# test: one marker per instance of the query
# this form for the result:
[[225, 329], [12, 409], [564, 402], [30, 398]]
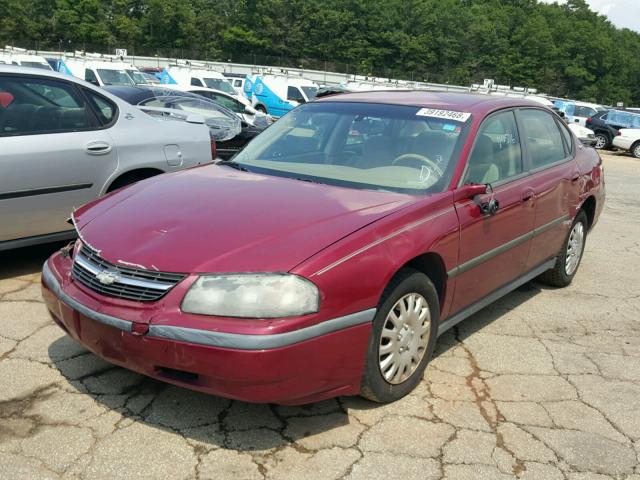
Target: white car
[[25, 60], [628, 139], [585, 135], [65, 142]]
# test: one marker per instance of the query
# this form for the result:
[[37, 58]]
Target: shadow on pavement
[[229, 423], [27, 260]]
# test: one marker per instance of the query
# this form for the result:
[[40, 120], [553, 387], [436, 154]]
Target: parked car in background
[[239, 105], [628, 139], [64, 142], [578, 112], [226, 127], [585, 135], [606, 124], [328, 257]]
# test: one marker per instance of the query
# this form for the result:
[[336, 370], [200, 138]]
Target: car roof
[[476, 103]]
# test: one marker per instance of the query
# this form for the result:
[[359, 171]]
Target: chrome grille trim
[[127, 283]]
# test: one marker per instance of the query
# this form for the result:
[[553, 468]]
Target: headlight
[[269, 295]]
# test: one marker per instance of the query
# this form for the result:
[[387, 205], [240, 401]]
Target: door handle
[[97, 148], [528, 195]]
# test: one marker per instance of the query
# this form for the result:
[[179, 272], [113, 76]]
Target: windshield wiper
[[232, 164]]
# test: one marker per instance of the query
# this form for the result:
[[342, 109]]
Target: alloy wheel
[[601, 141], [636, 151], [574, 248], [404, 338]]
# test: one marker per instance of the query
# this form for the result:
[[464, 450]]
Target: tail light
[[214, 149], [589, 120], [618, 133]]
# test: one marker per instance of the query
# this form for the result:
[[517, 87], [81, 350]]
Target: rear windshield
[[360, 145]]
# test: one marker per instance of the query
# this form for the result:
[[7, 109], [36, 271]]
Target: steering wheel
[[414, 156]]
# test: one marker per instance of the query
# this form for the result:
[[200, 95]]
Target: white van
[[188, 75], [277, 94], [100, 72], [25, 60]]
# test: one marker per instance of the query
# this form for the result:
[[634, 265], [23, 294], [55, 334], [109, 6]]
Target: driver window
[[496, 154]]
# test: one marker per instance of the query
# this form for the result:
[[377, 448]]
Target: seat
[[482, 168]]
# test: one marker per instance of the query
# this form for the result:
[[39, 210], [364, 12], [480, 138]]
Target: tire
[[565, 269], [402, 339], [635, 150], [602, 141]]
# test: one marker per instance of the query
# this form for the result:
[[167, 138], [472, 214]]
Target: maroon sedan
[[328, 256]]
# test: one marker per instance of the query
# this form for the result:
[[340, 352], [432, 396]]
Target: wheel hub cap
[[404, 339], [574, 248]]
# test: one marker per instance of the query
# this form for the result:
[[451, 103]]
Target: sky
[[622, 13]]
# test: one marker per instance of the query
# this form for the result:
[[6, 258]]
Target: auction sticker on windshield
[[446, 114]]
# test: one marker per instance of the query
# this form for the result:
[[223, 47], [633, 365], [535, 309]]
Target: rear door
[[494, 248], [555, 179], [54, 155]]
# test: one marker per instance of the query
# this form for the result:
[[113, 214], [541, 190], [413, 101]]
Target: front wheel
[[635, 149], [403, 337], [569, 259]]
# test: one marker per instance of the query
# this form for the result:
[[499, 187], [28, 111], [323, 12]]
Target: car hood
[[218, 219]]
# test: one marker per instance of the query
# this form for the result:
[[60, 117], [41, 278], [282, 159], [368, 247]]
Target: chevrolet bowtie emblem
[[106, 278]]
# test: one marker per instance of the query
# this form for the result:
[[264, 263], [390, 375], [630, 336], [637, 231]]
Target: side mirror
[[468, 191]]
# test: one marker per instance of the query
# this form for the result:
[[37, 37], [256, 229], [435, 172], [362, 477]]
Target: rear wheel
[[569, 259], [635, 149], [403, 337], [602, 141], [131, 177]]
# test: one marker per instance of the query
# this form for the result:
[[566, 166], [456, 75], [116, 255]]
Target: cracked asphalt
[[543, 384]]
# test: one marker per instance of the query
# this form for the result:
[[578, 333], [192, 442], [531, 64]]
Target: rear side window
[[105, 110], [543, 138], [496, 154], [41, 105], [567, 136], [196, 82]]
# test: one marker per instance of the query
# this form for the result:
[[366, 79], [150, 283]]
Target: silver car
[[64, 142]]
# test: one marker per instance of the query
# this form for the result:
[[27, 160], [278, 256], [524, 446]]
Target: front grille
[[113, 280]]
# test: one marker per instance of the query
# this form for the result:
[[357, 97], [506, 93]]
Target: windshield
[[219, 84], [43, 66], [310, 92], [115, 77], [137, 77], [360, 145]]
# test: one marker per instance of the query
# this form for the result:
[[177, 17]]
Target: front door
[[53, 155], [494, 247]]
